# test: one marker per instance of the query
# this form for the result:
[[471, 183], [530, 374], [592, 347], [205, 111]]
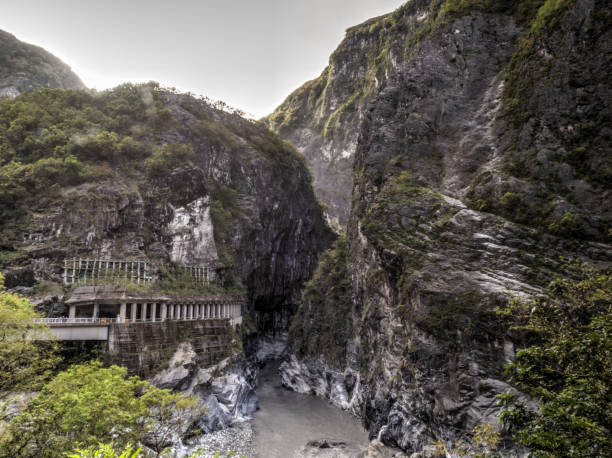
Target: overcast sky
[[248, 53]]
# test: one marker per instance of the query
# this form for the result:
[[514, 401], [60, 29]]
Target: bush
[[88, 404], [167, 158], [568, 368]]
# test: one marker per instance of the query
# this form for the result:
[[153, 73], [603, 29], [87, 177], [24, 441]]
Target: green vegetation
[[168, 157], [81, 406], [116, 143], [570, 225], [385, 228], [105, 451], [224, 211], [24, 364], [483, 443], [470, 315], [88, 404], [568, 367], [323, 324], [520, 77]]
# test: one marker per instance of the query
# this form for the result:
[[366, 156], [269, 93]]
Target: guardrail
[[74, 320], [51, 321]]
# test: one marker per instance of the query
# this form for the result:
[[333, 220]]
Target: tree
[[568, 368], [105, 451], [88, 404], [24, 363]]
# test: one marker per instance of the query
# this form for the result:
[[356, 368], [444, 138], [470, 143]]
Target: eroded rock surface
[[466, 194]]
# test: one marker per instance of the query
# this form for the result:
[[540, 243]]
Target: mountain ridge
[[26, 67]]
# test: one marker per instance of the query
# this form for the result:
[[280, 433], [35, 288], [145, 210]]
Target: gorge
[[461, 169]]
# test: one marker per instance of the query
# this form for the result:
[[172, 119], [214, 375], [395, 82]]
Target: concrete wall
[[80, 332], [145, 347]]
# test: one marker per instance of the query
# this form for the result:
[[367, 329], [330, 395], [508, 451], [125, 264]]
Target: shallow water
[[286, 421]]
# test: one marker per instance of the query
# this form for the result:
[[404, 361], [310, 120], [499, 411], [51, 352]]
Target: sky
[[249, 53]]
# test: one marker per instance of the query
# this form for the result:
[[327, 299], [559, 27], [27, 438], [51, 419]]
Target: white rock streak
[[192, 234]]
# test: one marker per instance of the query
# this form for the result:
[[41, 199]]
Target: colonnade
[[162, 311]]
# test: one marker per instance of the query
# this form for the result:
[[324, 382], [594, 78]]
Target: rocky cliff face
[[24, 67], [482, 159], [322, 117], [144, 173]]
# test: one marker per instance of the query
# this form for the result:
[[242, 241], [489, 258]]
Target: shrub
[[168, 157]]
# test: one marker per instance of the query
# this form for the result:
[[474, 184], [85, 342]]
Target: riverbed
[[287, 421], [287, 425]]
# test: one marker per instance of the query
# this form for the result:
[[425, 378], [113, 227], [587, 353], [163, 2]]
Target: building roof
[[117, 294]]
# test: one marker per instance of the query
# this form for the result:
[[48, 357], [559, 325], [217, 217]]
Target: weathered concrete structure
[[145, 347], [143, 329], [119, 304]]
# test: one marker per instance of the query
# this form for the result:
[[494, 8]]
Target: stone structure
[[119, 304], [144, 348], [141, 330]]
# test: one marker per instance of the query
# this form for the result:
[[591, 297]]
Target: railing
[[51, 321], [74, 320]]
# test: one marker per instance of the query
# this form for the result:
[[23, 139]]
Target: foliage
[[570, 225], [24, 363], [483, 444], [168, 157], [323, 323], [568, 368], [88, 404], [105, 451]]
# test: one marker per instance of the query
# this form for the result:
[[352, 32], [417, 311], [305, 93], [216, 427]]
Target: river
[[283, 426], [286, 421]]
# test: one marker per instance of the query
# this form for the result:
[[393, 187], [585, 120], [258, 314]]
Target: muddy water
[[286, 421]]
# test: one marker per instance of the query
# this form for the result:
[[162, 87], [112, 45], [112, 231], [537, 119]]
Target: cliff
[[482, 159], [144, 173], [24, 67]]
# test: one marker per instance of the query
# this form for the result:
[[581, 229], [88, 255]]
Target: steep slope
[[483, 156], [322, 117], [144, 173], [24, 67]]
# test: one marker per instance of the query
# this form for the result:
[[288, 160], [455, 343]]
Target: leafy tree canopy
[[24, 363], [568, 368], [88, 404]]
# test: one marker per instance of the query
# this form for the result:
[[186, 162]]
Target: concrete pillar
[[96, 310], [179, 311], [134, 305], [190, 312], [143, 313], [122, 309], [153, 311], [72, 311], [164, 311]]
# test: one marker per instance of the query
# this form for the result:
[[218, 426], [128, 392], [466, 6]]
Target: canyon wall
[[482, 161]]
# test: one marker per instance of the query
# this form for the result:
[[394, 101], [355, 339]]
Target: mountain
[[24, 67], [144, 173], [476, 135]]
